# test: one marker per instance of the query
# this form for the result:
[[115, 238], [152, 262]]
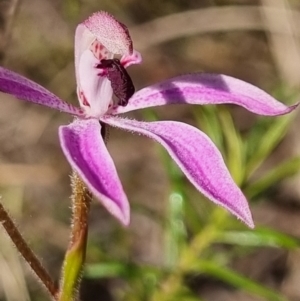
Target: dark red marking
[[121, 82], [84, 100]]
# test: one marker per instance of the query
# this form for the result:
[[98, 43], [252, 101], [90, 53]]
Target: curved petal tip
[[291, 108]]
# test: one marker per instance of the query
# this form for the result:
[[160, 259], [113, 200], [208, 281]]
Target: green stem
[[75, 254]]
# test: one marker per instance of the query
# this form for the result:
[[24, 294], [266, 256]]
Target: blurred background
[[178, 246]]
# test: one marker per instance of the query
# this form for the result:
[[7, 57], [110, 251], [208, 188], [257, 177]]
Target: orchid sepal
[[203, 89], [87, 154], [197, 157], [25, 89]]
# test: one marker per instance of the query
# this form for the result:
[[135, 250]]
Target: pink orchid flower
[[98, 41]]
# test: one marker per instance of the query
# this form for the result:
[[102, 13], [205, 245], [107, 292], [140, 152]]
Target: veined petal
[[87, 154], [197, 157], [201, 89], [25, 89]]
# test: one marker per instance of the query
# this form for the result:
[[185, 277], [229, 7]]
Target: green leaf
[[237, 280], [278, 173], [72, 269], [106, 270], [197, 211], [264, 138], [207, 119], [127, 270], [260, 237], [234, 146]]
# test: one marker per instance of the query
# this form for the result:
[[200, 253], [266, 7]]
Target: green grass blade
[[106, 270], [264, 143], [237, 280], [278, 173], [207, 119], [260, 237], [234, 146]]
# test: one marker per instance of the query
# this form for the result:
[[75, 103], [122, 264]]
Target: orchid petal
[[112, 34], [94, 91], [202, 88], [197, 157], [25, 89], [86, 152], [83, 40]]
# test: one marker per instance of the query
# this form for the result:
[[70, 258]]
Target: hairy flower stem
[[26, 252], [75, 254]]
